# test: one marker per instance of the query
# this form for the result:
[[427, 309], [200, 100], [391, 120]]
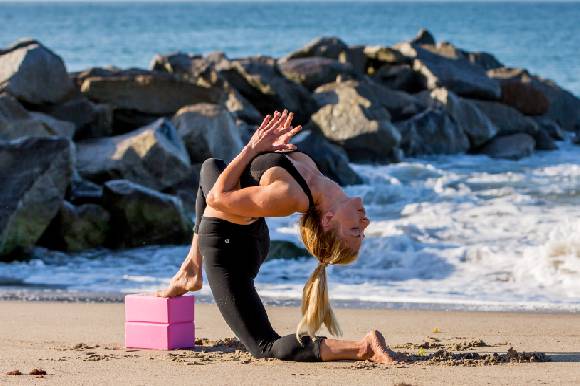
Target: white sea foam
[[458, 230]]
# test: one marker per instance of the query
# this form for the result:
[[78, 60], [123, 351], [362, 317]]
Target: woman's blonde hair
[[328, 248]]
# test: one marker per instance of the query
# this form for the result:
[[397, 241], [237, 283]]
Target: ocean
[[447, 232]]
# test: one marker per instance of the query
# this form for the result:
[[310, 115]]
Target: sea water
[[461, 231]]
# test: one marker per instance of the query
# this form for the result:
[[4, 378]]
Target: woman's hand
[[274, 134]]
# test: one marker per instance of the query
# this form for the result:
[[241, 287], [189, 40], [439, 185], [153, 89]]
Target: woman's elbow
[[213, 199]]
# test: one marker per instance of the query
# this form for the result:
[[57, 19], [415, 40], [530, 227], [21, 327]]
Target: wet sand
[[78, 343]]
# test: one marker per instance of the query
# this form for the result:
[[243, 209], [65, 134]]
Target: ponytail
[[327, 247], [316, 308]]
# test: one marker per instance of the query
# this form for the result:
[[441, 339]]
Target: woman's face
[[350, 220]]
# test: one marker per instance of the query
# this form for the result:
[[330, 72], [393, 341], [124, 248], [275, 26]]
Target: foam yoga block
[[159, 323]]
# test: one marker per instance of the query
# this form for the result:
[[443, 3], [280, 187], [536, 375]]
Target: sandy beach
[[82, 343]]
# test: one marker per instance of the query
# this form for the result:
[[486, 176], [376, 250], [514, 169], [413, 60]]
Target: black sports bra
[[265, 161]]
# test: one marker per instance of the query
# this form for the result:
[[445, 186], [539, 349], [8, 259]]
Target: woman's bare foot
[[182, 282], [375, 349]]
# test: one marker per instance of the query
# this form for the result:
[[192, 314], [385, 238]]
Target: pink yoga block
[[155, 309], [161, 336]]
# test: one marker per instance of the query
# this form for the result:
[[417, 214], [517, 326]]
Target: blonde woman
[[269, 178]]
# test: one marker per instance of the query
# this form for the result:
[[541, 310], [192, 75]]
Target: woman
[[269, 178]]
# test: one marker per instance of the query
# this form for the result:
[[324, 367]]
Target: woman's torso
[[303, 164]]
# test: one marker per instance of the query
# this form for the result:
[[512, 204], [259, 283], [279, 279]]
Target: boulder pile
[[109, 157]]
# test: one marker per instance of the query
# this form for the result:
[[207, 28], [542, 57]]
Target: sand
[[82, 344]]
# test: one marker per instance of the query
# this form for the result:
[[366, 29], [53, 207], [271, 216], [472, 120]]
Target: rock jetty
[[109, 157]]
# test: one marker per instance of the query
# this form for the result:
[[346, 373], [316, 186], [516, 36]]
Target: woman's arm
[[272, 135]]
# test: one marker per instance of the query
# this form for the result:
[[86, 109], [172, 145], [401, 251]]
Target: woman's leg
[[372, 347], [189, 277]]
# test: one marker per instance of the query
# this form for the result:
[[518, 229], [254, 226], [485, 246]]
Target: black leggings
[[232, 256]]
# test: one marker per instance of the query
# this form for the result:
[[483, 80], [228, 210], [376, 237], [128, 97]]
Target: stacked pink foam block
[[159, 323]]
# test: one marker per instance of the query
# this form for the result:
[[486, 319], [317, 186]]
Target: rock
[[457, 75], [447, 50], [543, 140], [82, 191], [564, 107], [90, 119], [551, 127], [352, 116], [16, 122], [186, 190], [55, 126], [399, 104], [398, 77], [180, 63], [282, 249], [208, 131], [34, 74], [241, 108], [514, 146], [432, 131], [77, 228], [315, 71], [484, 60], [355, 56], [327, 46], [383, 55], [196, 66], [142, 216], [506, 118], [149, 92], [154, 156], [474, 123], [423, 37], [524, 97], [331, 160], [34, 175], [260, 81]]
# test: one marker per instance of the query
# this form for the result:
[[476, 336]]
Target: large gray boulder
[[514, 146], [326, 46], [16, 122], [142, 216], [432, 131], [34, 74], [472, 121], [506, 118], [331, 160], [34, 175], [154, 156], [208, 130], [352, 116], [315, 71], [456, 74], [75, 228], [260, 81], [149, 92], [564, 107]]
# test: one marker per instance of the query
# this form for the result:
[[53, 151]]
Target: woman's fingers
[[286, 137]]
